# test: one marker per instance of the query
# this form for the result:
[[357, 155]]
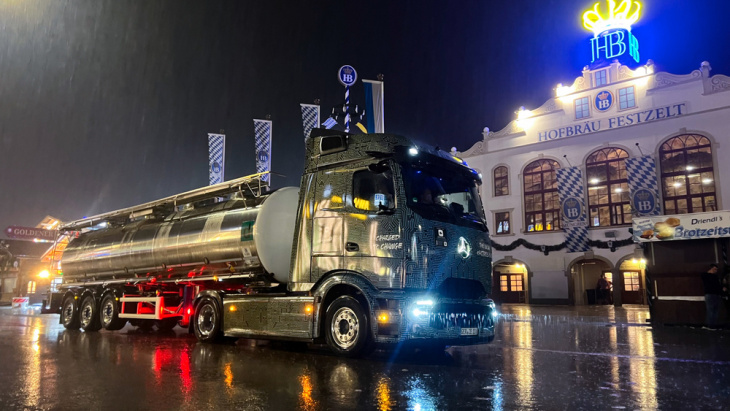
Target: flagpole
[[347, 76]]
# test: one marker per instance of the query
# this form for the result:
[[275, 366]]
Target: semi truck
[[384, 242]]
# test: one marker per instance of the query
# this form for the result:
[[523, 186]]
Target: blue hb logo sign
[[614, 43], [216, 167], [263, 156], [604, 100], [572, 209], [347, 75], [644, 201]]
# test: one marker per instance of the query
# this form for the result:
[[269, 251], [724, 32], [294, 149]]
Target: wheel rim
[[68, 312], [107, 312], [206, 320], [345, 328], [86, 315]]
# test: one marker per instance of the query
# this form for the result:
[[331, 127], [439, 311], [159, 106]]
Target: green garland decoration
[[546, 249]]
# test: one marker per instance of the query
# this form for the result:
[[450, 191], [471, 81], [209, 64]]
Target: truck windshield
[[444, 195]]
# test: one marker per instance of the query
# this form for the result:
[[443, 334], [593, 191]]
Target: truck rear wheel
[[109, 310], [89, 314], [346, 327], [69, 314], [207, 321]]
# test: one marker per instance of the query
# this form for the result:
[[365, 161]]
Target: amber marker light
[[383, 317], [232, 308], [308, 309]]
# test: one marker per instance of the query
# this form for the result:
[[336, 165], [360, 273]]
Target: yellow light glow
[[617, 17], [634, 261], [44, 274], [232, 308], [383, 317], [308, 309], [523, 113], [562, 90]]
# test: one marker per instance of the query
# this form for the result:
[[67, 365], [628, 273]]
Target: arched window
[[688, 178], [542, 206], [608, 188], [501, 181]]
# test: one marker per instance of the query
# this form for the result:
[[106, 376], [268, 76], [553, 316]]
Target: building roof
[[26, 249]]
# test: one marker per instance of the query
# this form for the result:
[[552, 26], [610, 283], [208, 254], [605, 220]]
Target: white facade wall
[[705, 109]]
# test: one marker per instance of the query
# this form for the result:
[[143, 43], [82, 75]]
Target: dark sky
[[107, 103]]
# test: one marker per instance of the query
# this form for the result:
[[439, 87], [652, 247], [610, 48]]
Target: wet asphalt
[[544, 358]]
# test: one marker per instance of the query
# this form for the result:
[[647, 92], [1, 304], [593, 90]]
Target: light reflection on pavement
[[543, 358]]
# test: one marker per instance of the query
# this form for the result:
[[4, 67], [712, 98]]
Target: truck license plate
[[469, 331]]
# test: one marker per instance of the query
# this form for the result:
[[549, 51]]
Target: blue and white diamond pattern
[[216, 157], [310, 118], [262, 130], [570, 185], [641, 173]]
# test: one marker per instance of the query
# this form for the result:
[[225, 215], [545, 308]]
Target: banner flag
[[329, 123], [262, 129], [310, 117], [572, 208], [216, 157], [374, 93], [643, 186]]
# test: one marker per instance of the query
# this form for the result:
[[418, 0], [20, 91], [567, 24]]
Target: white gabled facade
[[664, 106]]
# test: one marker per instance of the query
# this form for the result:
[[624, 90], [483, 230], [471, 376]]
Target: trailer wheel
[[166, 325], [69, 314], [346, 327], [89, 315], [207, 321], [109, 313]]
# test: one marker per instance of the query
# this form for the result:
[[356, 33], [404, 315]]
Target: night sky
[[107, 103]]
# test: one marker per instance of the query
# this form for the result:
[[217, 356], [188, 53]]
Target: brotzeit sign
[[630, 119]]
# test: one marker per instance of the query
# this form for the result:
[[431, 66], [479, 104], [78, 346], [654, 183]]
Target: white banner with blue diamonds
[[643, 186], [572, 208], [262, 129], [216, 158], [310, 117]]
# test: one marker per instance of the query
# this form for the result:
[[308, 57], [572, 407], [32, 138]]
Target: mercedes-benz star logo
[[463, 249]]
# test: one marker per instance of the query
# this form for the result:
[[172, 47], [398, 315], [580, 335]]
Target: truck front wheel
[[69, 314], [346, 327], [207, 321]]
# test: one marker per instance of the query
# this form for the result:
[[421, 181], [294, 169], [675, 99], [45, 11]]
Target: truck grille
[[460, 316]]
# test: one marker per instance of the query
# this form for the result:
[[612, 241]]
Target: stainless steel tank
[[216, 234]]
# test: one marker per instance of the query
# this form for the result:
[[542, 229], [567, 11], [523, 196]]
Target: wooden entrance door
[[511, 288], [632, 292]]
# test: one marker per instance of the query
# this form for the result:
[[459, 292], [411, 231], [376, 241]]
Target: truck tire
[[109, 313], [70, 314], [89, 315], [346, 327], [207, 321]]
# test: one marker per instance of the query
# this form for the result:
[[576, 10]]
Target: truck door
[[327, 224], [373, 237]]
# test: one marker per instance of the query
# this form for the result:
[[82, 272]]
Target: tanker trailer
[[352, 258]]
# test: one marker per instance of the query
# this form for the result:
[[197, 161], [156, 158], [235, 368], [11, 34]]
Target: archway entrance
[[509, 283], [584, 279]]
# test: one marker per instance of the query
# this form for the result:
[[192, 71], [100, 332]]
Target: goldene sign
[[714, 224], [30, 233], [630, 119]]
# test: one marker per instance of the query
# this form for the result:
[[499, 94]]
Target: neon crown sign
[[612, 30], [621, 17]]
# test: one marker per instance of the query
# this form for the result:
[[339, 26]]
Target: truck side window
[[373, 191]]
